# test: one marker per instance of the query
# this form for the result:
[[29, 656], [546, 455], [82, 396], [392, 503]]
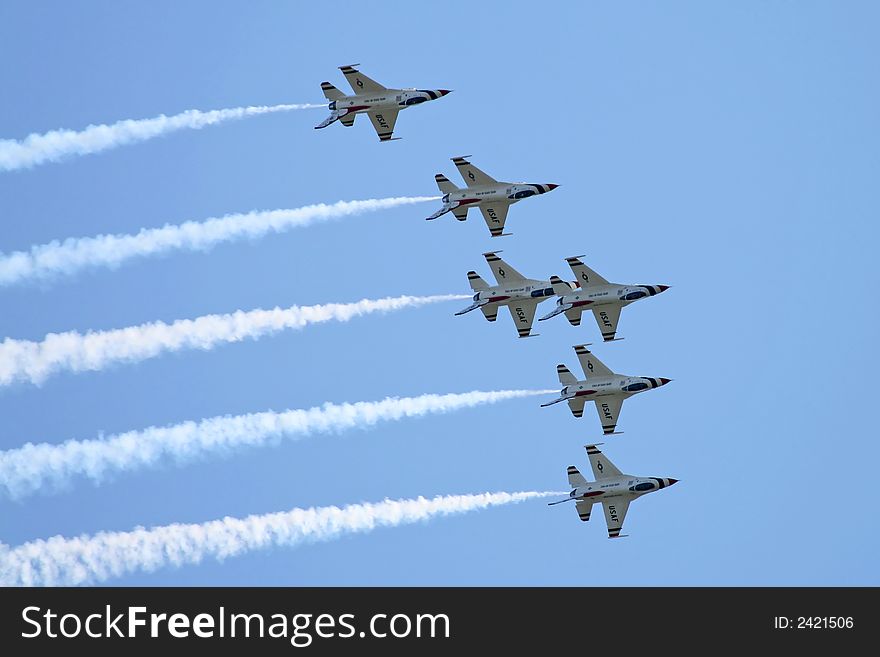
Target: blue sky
[[727, 149]]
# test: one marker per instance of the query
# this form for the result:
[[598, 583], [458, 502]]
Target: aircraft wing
[[602, 467], [502, 271], [615, 512], [584, 275], [348, 120], [592, 365], [576, 404], [359, 82], [495, 214], [383, 121], [523, 314], [607, 318], [608, 409], [472, 175]]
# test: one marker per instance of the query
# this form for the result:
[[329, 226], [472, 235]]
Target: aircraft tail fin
[[445, 184], [331, 92]]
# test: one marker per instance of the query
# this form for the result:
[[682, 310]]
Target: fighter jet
[[612, 488], [603, 298], [371, 98], [600, 384], [493, 197], [521, 295]]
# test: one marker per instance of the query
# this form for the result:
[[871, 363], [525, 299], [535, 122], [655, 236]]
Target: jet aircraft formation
[[522, 295]]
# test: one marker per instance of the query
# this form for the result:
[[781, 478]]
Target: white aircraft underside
[[492, 197], [605, 299], [519, 294], [614, 489], [607, 389], [378, 102]]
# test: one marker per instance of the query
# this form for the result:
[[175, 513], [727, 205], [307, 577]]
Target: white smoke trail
[[24, 360], [60, 561], [30, 468], [53, 146], [74, 254]]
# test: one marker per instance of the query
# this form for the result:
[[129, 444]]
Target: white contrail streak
[[56, 258], [32, 468], [56, 145], [24, 360], [60, 561]]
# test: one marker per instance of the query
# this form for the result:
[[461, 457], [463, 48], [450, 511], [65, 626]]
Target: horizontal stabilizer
[[490, 311], [575, 478], [331, 92], [584, 509], [560, 287], [477, 282], [566, 378], [573, 315], [444, 184]]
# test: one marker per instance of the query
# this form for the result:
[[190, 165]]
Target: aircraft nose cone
[[663, 382], [551, 186], [663, 288], [673, 481], [443, 92]]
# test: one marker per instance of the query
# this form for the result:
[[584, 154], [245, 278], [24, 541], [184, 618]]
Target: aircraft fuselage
[[618, 385], [398, 99], [624, 486], [509, 193], [608, 295], [522, 291]]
